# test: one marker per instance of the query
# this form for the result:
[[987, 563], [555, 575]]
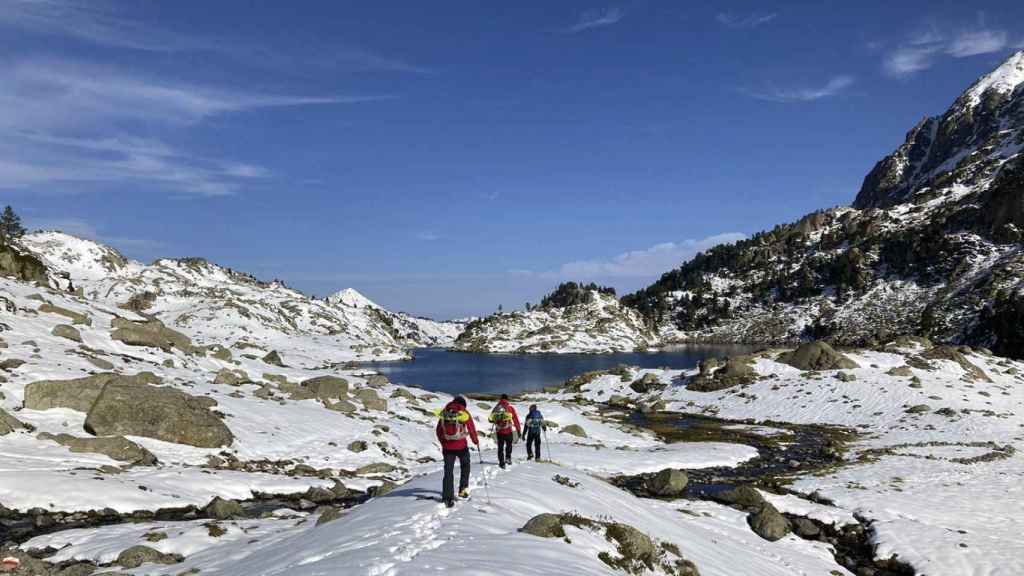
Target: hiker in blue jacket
[[534, 429]]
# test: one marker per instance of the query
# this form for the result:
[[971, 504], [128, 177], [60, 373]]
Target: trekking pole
[[483, 473], [546, 443]]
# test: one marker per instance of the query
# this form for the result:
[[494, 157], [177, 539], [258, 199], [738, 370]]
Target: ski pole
[[546, 443], [483, 473]]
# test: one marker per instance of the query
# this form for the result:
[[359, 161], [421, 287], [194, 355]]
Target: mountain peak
[[352, 298], [1003, 80]]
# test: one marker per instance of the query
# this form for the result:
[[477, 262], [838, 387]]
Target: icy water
[[439, 370]]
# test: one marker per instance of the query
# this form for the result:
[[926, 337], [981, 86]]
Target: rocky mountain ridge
[[932, 245]]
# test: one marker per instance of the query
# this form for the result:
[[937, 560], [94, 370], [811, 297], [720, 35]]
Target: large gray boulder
[[768, 523], [647, 383], [221, 509], [229, 377], [75, 317], [343, 406], [274, 359], [67, 331], [79, 393], [370, 400], [150, 333], [9, 423], [638, 550], [816, 356], [544, 526], [742, 496], [327, 387], [718, 375], [116, 447], [123, 408], [575, 430], [138, 555], [669, 483]]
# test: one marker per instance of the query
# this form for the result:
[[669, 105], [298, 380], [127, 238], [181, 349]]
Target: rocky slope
[[932, 245], [214, 304], [596, 324]]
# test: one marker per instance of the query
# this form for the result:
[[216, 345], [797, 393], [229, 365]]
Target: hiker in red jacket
[[454, 425], [506, 427]]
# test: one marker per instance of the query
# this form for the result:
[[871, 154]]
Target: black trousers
[[448, 486], [505, 442], [533, 445]]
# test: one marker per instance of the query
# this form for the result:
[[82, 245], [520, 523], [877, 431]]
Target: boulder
[[973, 372], [116, 447], [138, 555], [230, 377], [327, 387], [669, 483], [735, 371], [377, 380], [11, 364], [330, 514], [846, 377], [221, 509], [816, 356], [575, 430], [918, 409], [358, 446], [768, 523], [647, 383], [150, 333], [67, 331], [375, 468], [274, 359], [219, 352], [636, 548], [544, 526], [75, 317], [79, 393], [806, 529], [404, 393], [742, 496], [9, 423], [370, 400], [100, 363], [167, 414]]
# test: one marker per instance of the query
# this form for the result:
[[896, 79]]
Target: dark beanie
[[459, 400]]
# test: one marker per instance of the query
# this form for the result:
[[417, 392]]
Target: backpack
[[453, 425], [534, 421], [502, 419]]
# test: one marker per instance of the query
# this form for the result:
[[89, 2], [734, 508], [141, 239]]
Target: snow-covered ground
[[942, 486]]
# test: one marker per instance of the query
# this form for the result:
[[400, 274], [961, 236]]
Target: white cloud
[[744, 21], [427, 236], [653, 261], [975, 42], [806, 94], [596, 19], [907, 60]]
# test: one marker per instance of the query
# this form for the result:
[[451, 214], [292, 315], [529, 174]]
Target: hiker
[[506, 427], [534, 428], [454, 425]]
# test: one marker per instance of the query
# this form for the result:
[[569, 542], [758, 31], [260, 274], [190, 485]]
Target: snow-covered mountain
[[597, 324], [932, 245], [214, 304]]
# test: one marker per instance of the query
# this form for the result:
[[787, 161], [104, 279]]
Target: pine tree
[[10, 226]]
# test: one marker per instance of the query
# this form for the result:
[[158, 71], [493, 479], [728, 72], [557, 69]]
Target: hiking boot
[[449, 503], [463, 493], [502, 466]]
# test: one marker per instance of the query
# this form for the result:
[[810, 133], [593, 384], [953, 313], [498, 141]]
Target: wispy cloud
[[923, 48], [64, 122], [744, 21], [833, 87], [428, 236], [975, 42], [597, 19]]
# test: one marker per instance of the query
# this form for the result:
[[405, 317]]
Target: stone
[[330, 514], [375, 468], [901, 371], [67, 331], [769, 523], [544, 526], [100, 363], [221, 509], [804, 528], [575, 430], [918, 409], [953, 354], [358, 446], [228, 377], [743, 496], [377, 380], [163, 413], [11, 364], [633, 545], [9, 423], [816, 356], [79, 393], [75, 317], [735, 371], [370, 400], [138, 555], [150, 333], [845, 377], [669, 483], [343, 406], [404, 393], [116, 447], [219, 352], [647, 383], [327, 387], [274, 359]]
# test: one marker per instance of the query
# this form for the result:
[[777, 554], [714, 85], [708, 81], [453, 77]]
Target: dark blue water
[[439, 370]]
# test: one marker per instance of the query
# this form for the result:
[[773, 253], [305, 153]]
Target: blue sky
[[448, 157]]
